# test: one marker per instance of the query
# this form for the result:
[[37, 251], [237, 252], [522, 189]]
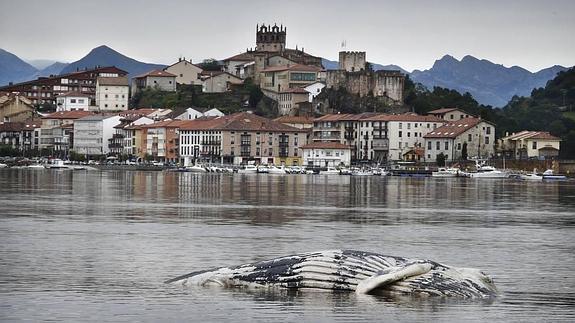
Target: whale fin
[[391, 276]]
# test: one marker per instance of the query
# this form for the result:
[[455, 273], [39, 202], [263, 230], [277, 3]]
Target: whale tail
[[390, 276]]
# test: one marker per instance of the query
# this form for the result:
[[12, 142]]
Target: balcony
[[380, 144], [118, 136], [213, 143]]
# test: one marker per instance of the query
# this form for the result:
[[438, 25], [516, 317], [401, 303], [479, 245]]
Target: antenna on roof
[[343, 43]]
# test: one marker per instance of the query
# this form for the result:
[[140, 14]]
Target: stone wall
[[352, 61], [388, 84]]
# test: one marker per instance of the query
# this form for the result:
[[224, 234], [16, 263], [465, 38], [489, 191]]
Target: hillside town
[[87, 114]]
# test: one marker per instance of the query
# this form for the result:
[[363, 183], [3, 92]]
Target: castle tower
[[270, 38], [352, 61]]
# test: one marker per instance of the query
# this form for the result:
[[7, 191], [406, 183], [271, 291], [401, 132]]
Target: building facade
[[530, 144], [112, 93], [73, 101], [156, 79], [220, 82], [185, 72], [326, 154], [450, 114], [15, 108], [93, 133], [57, 131], [474, 136], [44, 90]]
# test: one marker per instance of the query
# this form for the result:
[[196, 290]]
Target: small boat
[[197, 168], [330, 171], [446, 172], [277, 170], [548, 175], [362, 172], [248, 169], [57, 164], [486, 171], [345, 171], [36, 166], [2, 165], [264, 169]]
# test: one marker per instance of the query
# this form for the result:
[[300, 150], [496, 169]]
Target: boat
[[277, 170], [446, 172], [197, 168], [2, 165], [36, 166], [548, 175], [330, 171], [345, 171], [361, 172], [57, 164], [486, 171], [248, 169], [264, 169]]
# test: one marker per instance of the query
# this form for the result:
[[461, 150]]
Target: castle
[[356, 76]]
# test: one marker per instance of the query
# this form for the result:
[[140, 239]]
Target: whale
[[361, 272]]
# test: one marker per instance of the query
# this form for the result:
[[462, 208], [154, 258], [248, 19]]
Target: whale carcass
[[359, 271]]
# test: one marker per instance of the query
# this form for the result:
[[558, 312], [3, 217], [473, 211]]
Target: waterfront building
[[93, 133], [161, 140], [57, 131], [112, 93], [15, 108], [123, 139], [326, 154], [241, 138], [530, 144], [195, 113], [156, 79], [185, 72], [73, 101], [44, 90], [474, 135]]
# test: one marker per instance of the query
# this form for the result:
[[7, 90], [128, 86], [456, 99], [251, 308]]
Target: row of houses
[[188, 135]]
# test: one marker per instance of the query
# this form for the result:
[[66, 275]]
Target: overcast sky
[[411, 34]]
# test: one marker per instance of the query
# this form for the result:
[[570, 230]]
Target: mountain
[[13, 69], [40, 64], [105, 56], [53, 69], [334, 65], [489, 83]]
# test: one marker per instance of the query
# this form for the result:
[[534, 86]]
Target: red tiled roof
[[325, 145], [297, 67], [453, 129], [241, 121], [115, 81], [531, 135], [155, 73], [11, 126], [164, 124], [137, 112], [295, 119], [68, 115], [413, 117], [346, 117], [33, 123], [297, 90], [442, 110]]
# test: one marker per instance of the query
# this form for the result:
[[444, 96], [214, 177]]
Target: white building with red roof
[[73, 101], [530, 144], [474, 135], [326, 154], [185, 72], [450, 114]]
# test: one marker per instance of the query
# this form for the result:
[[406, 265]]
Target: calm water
[[96, 246]]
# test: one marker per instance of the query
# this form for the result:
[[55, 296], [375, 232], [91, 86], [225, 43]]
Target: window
[[117, 96], [458, 146], [469, 137], [400, 143], [488, 130], [400, 133], [437, 145], [429, 145], [400, 125], [408, 134], [257, 151], [80, 100], [534, 145], [487, 140], [451, 116], [408, 125], [105, 95], [72, 100], [447, 145]]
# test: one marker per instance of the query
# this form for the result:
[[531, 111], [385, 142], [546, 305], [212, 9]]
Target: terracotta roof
[[408, 117], [210, 74], [33, 123], [164, 124], [67, 115], [294, 119], [74, 94], [241, 121], [11, 126], [325, 145], [137, 112], [453, 129], [118, 81], [297, 67], [155, 73], [243, 57], [442, 110], [345, 117], [531, 135]]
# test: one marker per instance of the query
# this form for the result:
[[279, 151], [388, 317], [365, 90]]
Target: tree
[[210, 64], [464, 151], [440, 160]]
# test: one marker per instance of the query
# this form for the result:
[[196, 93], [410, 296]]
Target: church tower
[[270, 38]]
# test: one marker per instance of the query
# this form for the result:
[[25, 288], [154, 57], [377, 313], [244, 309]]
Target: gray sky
[[411, 34]]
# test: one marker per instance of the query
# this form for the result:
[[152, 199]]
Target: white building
[[93, 133], [200, 139], [326, 154], [389, 136], [72, 101], [112, 93], [185, 72], [191, 114], [218, 82], [475, 135], [314, 90]]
